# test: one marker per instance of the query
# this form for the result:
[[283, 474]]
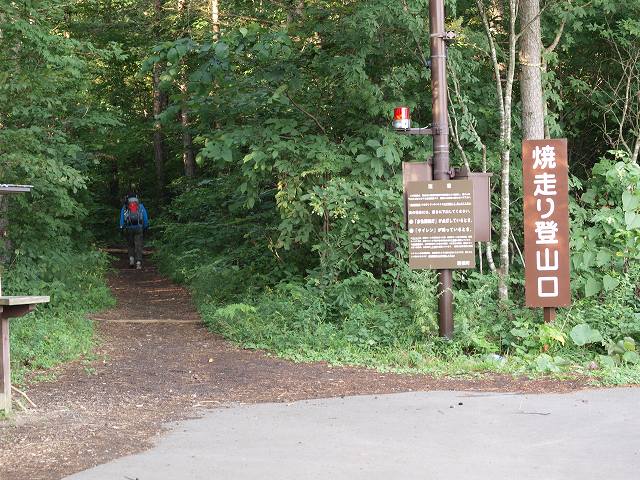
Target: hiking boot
[[132, 262], [138, 265]]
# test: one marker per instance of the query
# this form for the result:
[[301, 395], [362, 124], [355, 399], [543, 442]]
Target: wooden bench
[[11, 307]]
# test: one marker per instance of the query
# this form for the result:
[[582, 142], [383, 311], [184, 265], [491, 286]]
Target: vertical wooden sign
[[546, 224]]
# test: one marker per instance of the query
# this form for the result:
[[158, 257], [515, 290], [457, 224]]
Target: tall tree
[[504, 76], [188, 157], [159, 101], [215, 18], [531, 94]]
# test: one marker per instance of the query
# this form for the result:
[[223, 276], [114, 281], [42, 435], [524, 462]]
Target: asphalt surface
[[426, 436]]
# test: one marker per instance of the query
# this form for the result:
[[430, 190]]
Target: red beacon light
[[401, 118]]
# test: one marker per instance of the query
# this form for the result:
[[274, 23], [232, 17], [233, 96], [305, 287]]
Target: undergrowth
[[59, 331], [327, 304]]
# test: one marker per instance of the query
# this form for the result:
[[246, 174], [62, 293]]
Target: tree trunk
[[5, 245], [504, 90], [215, 18], [158, 106], [531, 71], [158, 137], [188, 158]]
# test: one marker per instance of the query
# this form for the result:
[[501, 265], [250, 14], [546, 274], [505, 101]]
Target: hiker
[[133, 222]]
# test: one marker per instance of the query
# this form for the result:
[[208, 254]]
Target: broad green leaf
[[589, 196], [520, 332], [629, 344], [227, 155], [630, 201], [606, 362], [588, 258], [583, 334], [603, 258], [610, 283], [632, 220], [631, 357], [592, 287], [545, 363], [172, 55], [614, 348], [222, 50]]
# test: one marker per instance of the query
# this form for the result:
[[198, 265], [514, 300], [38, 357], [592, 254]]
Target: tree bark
[[636, 150], [158, 106], [215, 18], [5, 246], [158, 137], [547, 51], [504, 90], [531, 71], [188, 158]]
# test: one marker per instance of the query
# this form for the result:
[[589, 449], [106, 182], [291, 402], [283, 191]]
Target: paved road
[[426, 436]]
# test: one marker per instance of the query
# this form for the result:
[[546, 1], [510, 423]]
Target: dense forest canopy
[[258, 134]]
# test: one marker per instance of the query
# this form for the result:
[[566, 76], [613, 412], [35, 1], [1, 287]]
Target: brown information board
[[546, 223], [440, 221]]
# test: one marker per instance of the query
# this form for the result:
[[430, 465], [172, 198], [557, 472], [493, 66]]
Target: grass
[[283, 328], [58, 332]]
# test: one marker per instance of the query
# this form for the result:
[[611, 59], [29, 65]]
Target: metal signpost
[[440, 126], [440, 132], [546, 224]]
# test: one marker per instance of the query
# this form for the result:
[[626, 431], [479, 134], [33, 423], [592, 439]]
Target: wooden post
[[5, 366], [549, 314]]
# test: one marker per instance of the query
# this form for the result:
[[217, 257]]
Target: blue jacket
[[145, 219]]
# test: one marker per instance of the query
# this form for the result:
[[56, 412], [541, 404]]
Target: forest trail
[[156, 362]]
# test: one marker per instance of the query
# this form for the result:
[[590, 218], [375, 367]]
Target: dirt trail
[[165, 366]]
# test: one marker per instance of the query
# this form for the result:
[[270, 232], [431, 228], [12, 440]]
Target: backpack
[[132, 213]]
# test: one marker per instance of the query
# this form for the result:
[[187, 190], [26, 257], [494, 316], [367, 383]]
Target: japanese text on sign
[[546, 223], [440, 223]]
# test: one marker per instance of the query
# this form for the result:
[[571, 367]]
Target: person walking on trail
[[134, 221]]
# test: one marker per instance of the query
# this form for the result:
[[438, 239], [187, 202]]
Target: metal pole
[[440, 143]]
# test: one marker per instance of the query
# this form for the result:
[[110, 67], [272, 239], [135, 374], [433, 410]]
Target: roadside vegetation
[[284, 303], [291, 235], [258, 136], [46, 121]]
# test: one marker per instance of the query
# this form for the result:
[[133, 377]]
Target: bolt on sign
[[546, 223], [440, 222]]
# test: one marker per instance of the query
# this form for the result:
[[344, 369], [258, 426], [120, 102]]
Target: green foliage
[[291, 235], [605, 232], [43, 109], [335, 175], [583, 334], [48, 130], [302, 250], [59, 331]]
